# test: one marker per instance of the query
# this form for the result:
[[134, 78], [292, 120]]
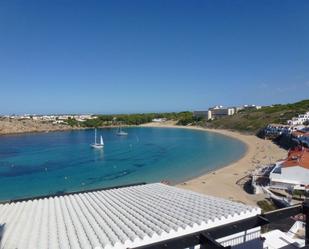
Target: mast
[[95, 135]]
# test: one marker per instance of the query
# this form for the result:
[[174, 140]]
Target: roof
[[115, 218], [297, 157], [298, 133], [280, 125]]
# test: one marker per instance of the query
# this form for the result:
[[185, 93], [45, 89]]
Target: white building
[[291, 172], [256, 107], [215, 112], [299, 120], [203, 114], [119, 218], [59, 122], [159, 120], [219, 111], [279, 129], [238, 108]]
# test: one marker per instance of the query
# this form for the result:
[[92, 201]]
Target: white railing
[[239, 238]]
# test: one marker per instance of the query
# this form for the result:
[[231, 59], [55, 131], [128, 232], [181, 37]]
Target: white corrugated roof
[[115, 218]]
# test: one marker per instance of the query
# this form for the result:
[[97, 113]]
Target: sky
[[71, 56]]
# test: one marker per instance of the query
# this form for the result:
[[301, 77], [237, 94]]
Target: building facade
[[202, 114], [299, 120], [291, 172], [220, 111]]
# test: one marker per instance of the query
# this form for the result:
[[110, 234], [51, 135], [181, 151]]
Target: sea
[[39, 164]]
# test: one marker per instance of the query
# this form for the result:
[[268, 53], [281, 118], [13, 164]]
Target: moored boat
[[96, 145], [120, 132]]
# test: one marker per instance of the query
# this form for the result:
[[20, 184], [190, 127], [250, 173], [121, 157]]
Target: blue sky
[[73, 56]]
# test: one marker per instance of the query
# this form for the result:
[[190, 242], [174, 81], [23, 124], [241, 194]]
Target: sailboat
[[96, 145], [120, 132]]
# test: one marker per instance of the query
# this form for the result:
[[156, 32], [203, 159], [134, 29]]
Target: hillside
[[253, 120], [244, 121], [131, 119], [12, 126]]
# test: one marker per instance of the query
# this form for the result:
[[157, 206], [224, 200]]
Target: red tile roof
[[297, 157]]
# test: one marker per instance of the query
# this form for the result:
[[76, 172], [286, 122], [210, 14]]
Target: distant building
[[297, 134], [293, 171], [59, 122], [202, 114], [159, 120], [238, 108], [257, 107], [299, 120], [279, 129], [215, 112], [219, 111]]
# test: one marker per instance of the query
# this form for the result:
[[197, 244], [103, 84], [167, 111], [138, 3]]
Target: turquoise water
[[47, 163]]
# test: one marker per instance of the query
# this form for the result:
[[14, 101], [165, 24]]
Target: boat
[[96, 145], [120, 132]]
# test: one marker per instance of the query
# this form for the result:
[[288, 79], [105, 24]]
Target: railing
[[240, 238], [207, 239]]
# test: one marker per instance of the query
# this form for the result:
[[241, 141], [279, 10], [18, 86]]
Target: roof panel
[[115, 218]]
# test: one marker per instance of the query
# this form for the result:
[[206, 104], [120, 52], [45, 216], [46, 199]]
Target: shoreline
[[197, 128], [58, 129], [222, 182]]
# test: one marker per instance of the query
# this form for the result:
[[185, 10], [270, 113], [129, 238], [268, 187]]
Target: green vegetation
[[187, 118], [183, 118], [72, 122], [254, 120], [298, 194], [266, 205], [245, 121]]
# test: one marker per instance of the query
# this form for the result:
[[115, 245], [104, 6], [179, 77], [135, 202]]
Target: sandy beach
[[227, 181]]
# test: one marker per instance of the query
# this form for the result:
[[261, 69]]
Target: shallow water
[[49, 163]]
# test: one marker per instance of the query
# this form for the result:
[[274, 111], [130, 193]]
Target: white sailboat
[[96, 145], [120, 132]]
